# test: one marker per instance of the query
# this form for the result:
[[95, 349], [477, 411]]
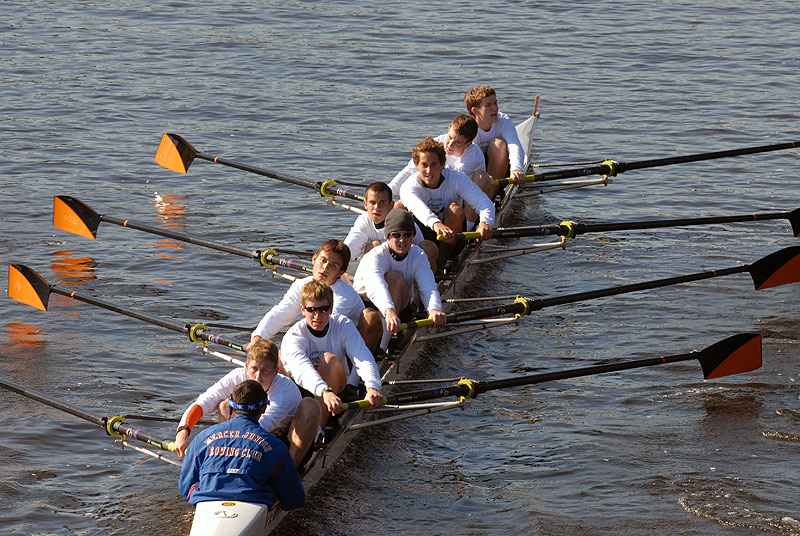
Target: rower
[[434, 195], [367, 231], [329, 265], [389, 274], [497, 136], [463, 155], [288, 416], [326, 356], [238, 460]]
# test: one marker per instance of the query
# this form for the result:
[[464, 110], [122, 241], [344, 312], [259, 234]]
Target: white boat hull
[[230, 518]]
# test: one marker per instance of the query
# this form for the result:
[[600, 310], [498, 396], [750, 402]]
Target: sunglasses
[[320, 309], [401, 235]]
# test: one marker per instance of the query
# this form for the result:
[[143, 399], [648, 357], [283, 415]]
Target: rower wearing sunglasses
[[326, 356], [387, 275]]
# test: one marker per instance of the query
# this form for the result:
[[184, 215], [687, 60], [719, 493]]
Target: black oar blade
[[734, 355], [74, 216], [175, 153], [794, 219], [779, 268], [28, 287]]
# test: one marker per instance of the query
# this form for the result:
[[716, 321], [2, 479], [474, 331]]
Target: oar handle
[[465, 388], [519, 307], [567, 229]]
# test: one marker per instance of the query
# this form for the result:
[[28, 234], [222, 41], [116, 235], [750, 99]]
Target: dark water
[[343, 90]]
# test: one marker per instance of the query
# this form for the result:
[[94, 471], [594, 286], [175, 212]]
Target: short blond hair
[[263, 350], [476, 95], [316, 291]]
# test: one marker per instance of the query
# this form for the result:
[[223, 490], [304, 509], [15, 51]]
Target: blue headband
[[247, 407]]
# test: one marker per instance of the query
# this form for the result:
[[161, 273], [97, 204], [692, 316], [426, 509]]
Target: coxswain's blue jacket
[[238, 460]]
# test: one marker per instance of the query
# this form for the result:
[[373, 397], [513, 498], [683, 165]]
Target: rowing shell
[[217, 518]]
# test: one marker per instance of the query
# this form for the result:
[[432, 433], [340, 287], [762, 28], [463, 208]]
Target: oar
[[75, 216], [778, 268], [28, 287], [611, 168], [734, 355], [112, 425], [570, 229], [177, 154]]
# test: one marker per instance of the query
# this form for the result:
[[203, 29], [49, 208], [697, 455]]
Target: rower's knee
[[398, 289], [224, 411], [331, 370], [307, 415], [454, 216], [432, 251]]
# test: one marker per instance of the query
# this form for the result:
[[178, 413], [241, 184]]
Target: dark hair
[[338, 247], [380, 188], [248, 392], [465, 125]]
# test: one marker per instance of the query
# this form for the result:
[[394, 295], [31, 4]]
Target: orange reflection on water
[[23, 335], [171, 213], [72, 271]]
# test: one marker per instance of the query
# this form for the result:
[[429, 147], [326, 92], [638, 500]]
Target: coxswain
[[287, 415], [238, 460]]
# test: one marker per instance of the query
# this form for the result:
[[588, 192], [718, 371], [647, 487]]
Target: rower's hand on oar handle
[[392, 320], [374, 398], [181, 442], [485, 231], [332, 401], [438, 317], [517, 177], [444, 231]]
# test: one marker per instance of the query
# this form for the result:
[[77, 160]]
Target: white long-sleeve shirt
[[283, 396], [471, 160], [428, 204], [415, 268], [301, 351], [504, 128], [364, 231], [346, 301]]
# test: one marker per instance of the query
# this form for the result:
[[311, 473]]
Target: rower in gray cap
[[387, 274]]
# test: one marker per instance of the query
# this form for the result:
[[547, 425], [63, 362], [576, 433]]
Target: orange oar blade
[[740, 353], [74, 216], [28, 287], [779, 268], [175, 153]]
